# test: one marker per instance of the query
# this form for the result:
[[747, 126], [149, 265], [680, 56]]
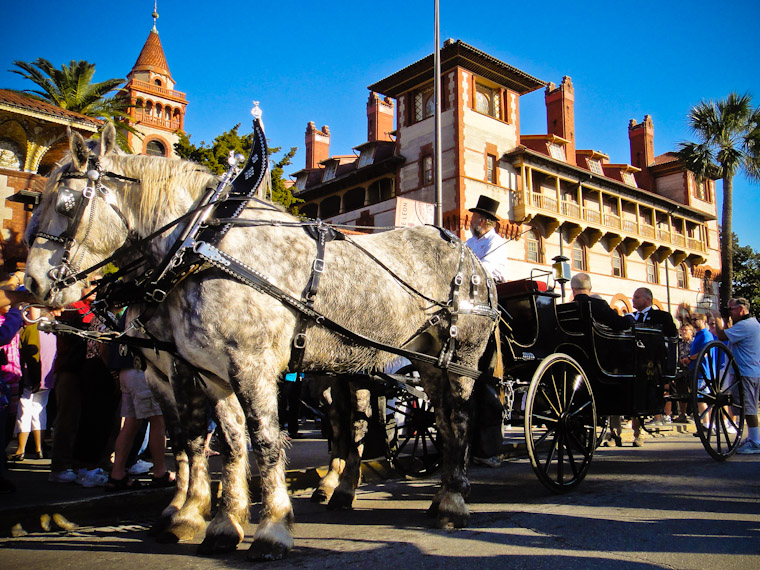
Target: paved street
[[667, 505]]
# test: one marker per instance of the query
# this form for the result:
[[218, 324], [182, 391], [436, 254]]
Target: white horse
[[415, 288]]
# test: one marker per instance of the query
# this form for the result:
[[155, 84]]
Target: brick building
[[32, 139], [647, 223]]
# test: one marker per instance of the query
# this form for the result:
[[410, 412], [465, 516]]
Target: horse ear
[[78, 149], [107, 139]]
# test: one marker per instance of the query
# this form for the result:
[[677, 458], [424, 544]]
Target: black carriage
[[569, 373]]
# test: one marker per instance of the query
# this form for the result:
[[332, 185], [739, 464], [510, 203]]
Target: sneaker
[[748, 447], [494, 461], [682, 419], [95, 478], [65, 476], [730, 429], [667, 420], [654, 422], [638, 442], [140, 467]]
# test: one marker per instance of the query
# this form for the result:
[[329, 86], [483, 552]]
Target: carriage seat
[[520, 287]]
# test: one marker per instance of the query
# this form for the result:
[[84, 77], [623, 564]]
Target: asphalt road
[[667, 505]]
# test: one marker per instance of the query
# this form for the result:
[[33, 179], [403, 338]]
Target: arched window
[[579, 256], [157, 82], [10, 155], [149, 108], [533, 246], [155, 148], [159, 109], [330, 207], [353, 199], [682, 278], [168, 113], [618, 264], [653, 271]]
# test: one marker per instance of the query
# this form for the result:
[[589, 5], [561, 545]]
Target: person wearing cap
[[487, 245]]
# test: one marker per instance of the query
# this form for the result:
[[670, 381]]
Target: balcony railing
[[151, 88], [571, 209], [161, 122], [612, 221], [592, 216]]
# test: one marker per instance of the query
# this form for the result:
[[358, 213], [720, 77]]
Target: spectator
[[744, 341], [85, 399], [681, 380], [37, 357], [137, 405], [702, 336], [289, 403], [8, 330]]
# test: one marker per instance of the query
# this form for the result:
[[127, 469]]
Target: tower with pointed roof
[[159, 111]]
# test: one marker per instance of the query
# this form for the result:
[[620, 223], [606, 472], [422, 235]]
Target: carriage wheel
[[560, 423], [716, 395], [417, 452]]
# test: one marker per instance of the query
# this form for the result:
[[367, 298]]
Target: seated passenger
[[600, 310], [646, 313]]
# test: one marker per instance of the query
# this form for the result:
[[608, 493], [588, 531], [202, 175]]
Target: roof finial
[[155, 15]]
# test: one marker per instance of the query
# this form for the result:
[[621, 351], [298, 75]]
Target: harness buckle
[[88, 192], [458, 279], [299, 341], [158, 295], [434, 320], [476, 279], [453, 331], [319, 265]]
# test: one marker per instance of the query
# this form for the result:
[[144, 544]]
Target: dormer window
[[557, 151], [366, 156], [628, 178], [595, 166], [301, 181], [424, 104], [330, 171], [488, 100]]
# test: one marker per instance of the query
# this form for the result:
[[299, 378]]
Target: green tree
[[728, 133], [746, 273], [71, 88], [214, 157]]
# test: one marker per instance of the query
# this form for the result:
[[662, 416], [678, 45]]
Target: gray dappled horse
[[241, 339]]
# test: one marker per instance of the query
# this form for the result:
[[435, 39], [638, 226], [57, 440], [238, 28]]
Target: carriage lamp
[[561, 269]]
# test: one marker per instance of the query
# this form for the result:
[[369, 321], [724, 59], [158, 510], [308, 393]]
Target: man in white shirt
[[487, 245]]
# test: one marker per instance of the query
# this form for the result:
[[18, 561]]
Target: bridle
[[72, 204]]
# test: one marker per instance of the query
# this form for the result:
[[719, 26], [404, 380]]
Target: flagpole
[[437, 138]]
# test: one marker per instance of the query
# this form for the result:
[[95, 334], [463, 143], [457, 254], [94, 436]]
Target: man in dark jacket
[[646, 313], [600, 310]]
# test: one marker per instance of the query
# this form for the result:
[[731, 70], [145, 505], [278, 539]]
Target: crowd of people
[[92, 443]]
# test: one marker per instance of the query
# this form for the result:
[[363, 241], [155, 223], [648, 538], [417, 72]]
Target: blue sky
[[312, 61]]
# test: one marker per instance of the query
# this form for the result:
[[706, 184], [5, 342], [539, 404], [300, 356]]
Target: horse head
[[79, 222]]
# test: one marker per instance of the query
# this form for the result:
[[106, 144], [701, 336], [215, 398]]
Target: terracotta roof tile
[[152, 56], [20, 101]]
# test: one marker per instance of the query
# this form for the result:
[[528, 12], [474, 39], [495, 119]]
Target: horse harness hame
[[196, 248]]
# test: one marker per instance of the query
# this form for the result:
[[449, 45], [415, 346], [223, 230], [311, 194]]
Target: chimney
[[379, 118], [317, 145], [641, 137], [560, 113]]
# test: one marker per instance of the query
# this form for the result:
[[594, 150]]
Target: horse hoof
[[341, 502], [319, 496], [262, 550], [218, 545], [448, 521]]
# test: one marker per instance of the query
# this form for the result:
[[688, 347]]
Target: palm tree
[[728, 132], [71, 88]]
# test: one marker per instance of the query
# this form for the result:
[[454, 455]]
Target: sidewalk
[[307, 463]]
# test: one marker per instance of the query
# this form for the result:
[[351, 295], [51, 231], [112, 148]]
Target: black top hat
[[487, 207]]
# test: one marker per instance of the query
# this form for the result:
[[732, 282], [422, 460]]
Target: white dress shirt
[[492, 252]]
